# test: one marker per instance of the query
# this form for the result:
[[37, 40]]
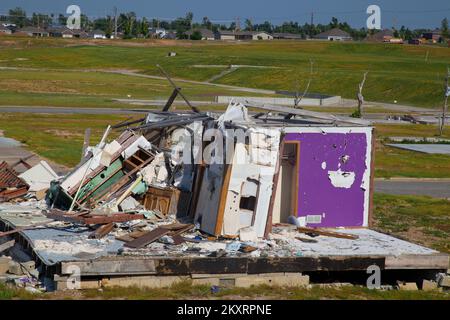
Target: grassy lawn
[[393, 162], [91, 89], [396, 72], [419, 219], [57, 137], [186, 291]]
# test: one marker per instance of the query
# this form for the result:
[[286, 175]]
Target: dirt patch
[[419, 236], [63, 133]]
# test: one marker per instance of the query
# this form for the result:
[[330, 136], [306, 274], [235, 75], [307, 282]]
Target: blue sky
[[411, 13]]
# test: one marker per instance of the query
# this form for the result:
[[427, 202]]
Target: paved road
[[439, 188]]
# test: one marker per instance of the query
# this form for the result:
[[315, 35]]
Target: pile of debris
[[165, 186]]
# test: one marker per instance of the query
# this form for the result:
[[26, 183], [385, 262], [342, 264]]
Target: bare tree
[[299, 98], [445, 106], [359, 95]]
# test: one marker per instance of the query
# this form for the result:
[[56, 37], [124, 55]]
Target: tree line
[[131, 26]]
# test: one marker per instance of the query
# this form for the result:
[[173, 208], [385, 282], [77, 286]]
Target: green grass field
[[396, 72]]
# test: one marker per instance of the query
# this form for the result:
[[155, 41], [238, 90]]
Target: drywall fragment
[[39, 176], [341, 179], [108, 152], [141, 142], [248, 234], [129, 204]]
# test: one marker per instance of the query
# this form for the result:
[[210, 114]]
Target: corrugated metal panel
[[9, 177]]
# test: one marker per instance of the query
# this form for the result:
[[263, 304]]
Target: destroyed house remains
[[162, 191]]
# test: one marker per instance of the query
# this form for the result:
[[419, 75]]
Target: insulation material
[[108, 152], [334, 175], [236, 112], [141, 142], [39, 176]]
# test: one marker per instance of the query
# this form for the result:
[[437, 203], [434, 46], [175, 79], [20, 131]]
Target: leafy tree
[[444, 28], [18, 16], [41, 20], [196, 35], [248, 25], [62, 20], [334, 22], [206, 23]]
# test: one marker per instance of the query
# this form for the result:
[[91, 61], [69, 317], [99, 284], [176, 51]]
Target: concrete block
[[29, 265], [15, 268], [144, 281], [407, 286], [428, 285], [4, 264], [206, 281], [444, 281], [282, 280]]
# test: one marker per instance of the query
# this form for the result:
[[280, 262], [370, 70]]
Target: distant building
[[225, 35], [287, 36], [97, 34], [433, 36], [414, 41], [64, 32], [242, 35], [32, 32], [381, 36], [206, 34], [158, 33], [5, 30], [170, 35], [335, 34]]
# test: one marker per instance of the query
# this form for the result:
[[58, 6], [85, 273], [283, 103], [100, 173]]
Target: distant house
[[33, 32], [158, 33], [225, 35], [433, 36], [381, 36], [64, 32], [170, 35], [97, 34], [5, 30], [414, 41], [206, 34], [243, 35], [287, 36], [334, 34]]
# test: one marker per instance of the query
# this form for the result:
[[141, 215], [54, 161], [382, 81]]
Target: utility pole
[[312, 24], [445, 106], [115, 22]]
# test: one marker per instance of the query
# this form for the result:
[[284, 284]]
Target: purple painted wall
[[343, 207]]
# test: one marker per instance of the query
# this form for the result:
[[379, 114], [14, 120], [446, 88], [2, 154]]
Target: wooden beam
[[326, 233]]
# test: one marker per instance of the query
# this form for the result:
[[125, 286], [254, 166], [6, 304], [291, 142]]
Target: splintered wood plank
[[148, 238], [102, 231], [327, 233], [223, 200]]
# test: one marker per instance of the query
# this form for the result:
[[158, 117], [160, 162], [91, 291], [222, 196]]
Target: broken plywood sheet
[[39, 176], [251, 180], [208, 201]]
